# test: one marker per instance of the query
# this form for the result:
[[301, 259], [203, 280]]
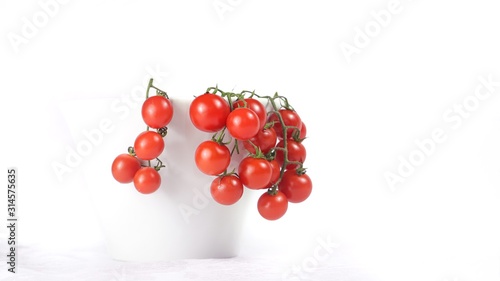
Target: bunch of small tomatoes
[[135, 166], [268, 128], [271, 132]]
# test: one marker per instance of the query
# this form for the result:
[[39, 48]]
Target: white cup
[[179, 220]]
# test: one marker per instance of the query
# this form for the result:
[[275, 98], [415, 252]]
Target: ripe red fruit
[[147, 180], [148, 145], [209, 112], [297, 188], [290, 119], [272, 207], [157, 112], [256, 106], [243, 123], [265, 140], [255, 173], [296, 152], [226, 190], [212, 158], [124, 168]]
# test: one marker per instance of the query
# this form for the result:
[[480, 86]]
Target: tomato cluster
[[272, 136], [135, 166]]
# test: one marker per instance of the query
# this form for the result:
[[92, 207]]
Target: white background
[[441, 223]]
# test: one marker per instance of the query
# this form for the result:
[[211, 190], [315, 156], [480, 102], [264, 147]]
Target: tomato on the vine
[[148, 145], [296, 187], [265, 140], [243, 123], [212, 158], [303, 131], [256, 106], [124, 168], [147, 180], [255, 173], [296, 152], [272, 207], [208, 112], [275, 175], [226, 190], [290, 119], [157, 112]]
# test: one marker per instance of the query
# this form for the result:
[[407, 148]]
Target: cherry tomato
[[212, 158], [296, 152], [303, 131], [275, 175], [243, 123], [290, 118], [296, 187], [147, 180], [265, 140], [124, 168], [148, 145], [255, 173], [256, 106], [272, 207], [209, 112], [157, 112], [226, 190]]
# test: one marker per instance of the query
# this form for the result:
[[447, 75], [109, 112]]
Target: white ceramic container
[[180, 220]]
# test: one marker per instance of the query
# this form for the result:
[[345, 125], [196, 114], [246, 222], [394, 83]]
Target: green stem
[[274, 188], [235, 147], [150, 84]]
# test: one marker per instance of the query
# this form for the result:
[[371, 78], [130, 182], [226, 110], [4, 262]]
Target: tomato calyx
[[159, 165], [226, 173], [162, 131], [273, 190], [269, 125], [301, 171], [131, 151]]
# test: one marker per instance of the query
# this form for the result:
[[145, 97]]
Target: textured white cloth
[[95, 265]]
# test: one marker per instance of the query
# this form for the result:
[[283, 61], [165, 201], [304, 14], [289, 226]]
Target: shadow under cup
[[179, 220]]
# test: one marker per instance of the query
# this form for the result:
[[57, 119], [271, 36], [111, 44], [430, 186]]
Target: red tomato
[[212, 158], [255, 173], [265, 140], [303, 131], [296, 152], [254, 105], [147, 180], [148, 145], [157, 112], [272, 207], [276, 168], [243, 123], [209, 112], [226, 190], [296, 187], [290, 118], [124, 168]]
